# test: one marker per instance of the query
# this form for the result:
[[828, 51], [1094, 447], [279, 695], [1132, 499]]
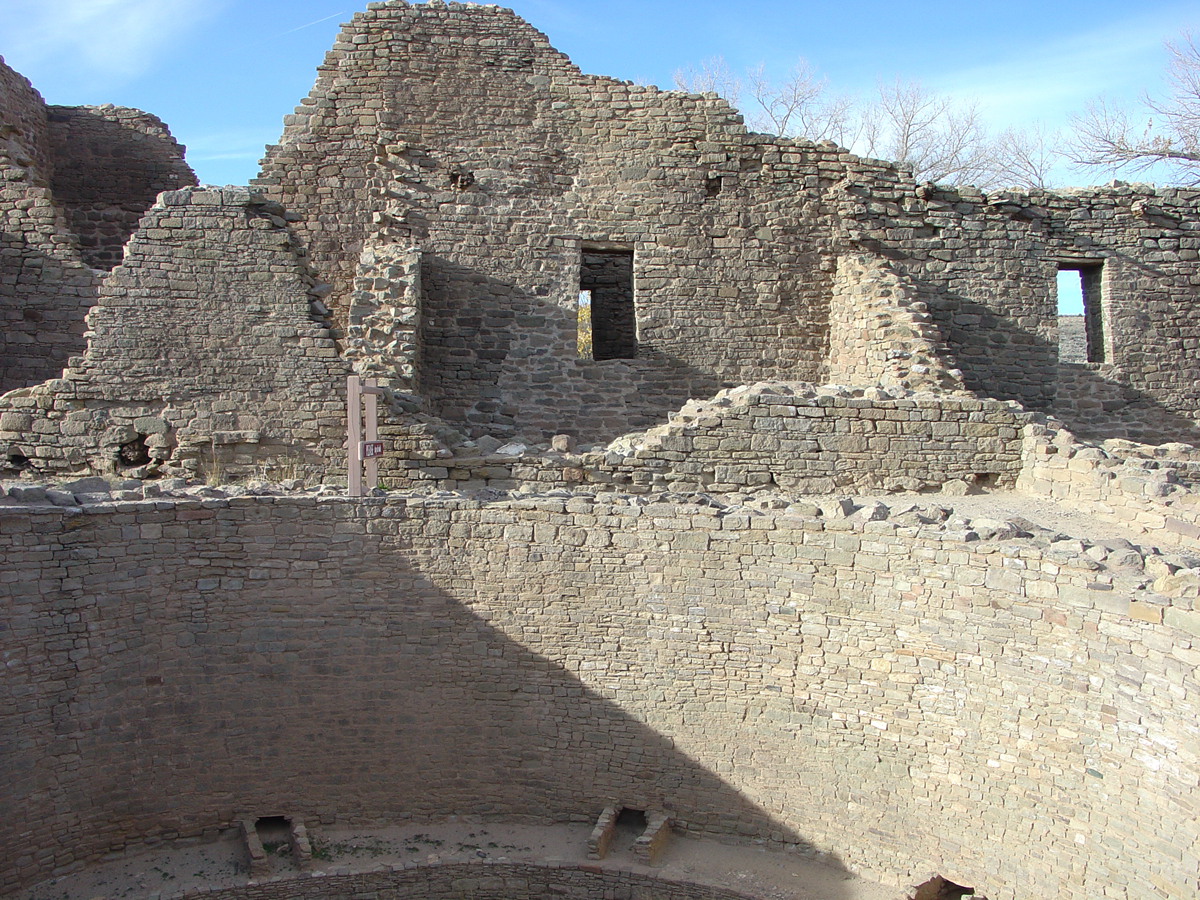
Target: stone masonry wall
[[1145, 494], [880, 332], [45, 289], [798, 438], [484, 881], [502, 163], [1007, 711], [1147, 243], [110, 163], [205, 355]]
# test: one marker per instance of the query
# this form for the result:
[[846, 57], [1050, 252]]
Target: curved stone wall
[[905, 697], [492, 881]]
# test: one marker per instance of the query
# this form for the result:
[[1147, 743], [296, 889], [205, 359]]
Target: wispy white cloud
[[111, 39], [1050, 81]]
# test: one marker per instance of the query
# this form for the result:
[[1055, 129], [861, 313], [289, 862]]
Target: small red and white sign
[[370, 449]]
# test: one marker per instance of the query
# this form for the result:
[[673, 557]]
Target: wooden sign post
[[362, 451]]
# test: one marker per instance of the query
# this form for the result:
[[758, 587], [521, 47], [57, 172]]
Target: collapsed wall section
[[204, 356], [881, 332], [903, 696], [110, 163]]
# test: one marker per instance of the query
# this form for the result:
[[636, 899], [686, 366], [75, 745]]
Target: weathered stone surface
[[421, 642]]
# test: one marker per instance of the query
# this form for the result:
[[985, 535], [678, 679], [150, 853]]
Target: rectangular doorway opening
[[606, 303], [1080, 313]]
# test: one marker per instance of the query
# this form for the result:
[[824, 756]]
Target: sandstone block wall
[[503, 164], [1146, 494], [481, 882], [1006, 711], [203, 349], [45, 289], [794, 437], [508, 166], [110, 163]]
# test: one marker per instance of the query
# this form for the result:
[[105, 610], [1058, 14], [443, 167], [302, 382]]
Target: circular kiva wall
[[493, 881], [910, 701]]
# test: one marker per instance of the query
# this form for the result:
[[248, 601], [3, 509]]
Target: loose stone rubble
[[719, 570]]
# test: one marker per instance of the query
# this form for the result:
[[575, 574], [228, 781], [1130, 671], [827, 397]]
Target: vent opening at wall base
[[606, 278], [275, 833], [1080, 313], [630, 825], [939, 888]]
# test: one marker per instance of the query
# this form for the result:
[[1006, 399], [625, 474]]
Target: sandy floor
[[748, 868]]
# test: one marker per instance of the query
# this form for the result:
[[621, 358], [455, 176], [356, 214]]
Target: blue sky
[[223, 73]]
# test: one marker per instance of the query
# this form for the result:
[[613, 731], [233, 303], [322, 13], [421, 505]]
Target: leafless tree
[[942, 140], [800, 106], [713, 76], [1109, 136], [1024, 157]]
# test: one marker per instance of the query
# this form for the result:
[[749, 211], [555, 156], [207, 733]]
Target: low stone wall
[[1141, 493], [480, 881], [794, 437], [912, 692]]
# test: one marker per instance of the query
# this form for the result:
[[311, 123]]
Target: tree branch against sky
[[942, 139], [1108, 136]]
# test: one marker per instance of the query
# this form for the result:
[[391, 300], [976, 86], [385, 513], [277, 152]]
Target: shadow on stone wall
[[207, 691], [43, 303], [1096, 407], [497, 359], [1087, 398], [110, 164]]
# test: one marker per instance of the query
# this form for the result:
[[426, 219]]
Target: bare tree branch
[[1023, 157], [1108, 137], [800, 106], [713, 76], [940, 139]]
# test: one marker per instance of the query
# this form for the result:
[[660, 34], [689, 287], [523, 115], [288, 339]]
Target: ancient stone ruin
[[713, 572]]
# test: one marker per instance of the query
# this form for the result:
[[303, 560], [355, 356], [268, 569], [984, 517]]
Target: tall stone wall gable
[[45, 290], [553, 171], [209, 327]]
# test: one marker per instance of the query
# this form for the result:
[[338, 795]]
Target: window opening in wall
[[1080, 316], [606, 278], [583, 325]]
